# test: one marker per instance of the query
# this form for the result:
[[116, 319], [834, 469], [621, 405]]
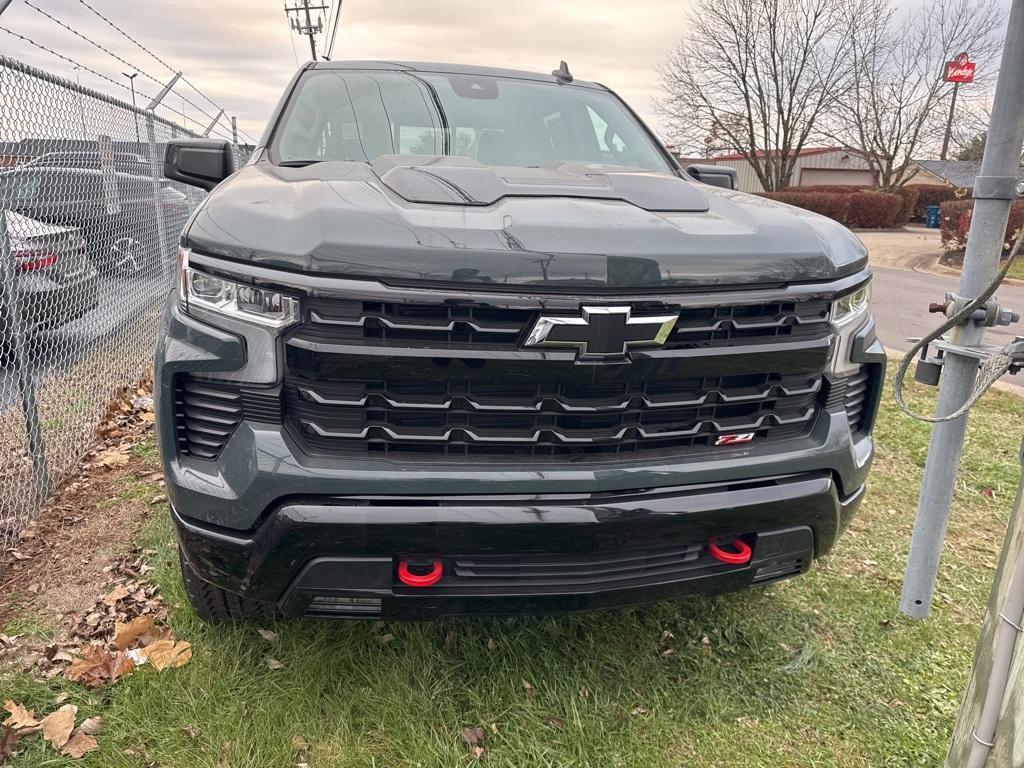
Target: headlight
[[852, 305], [226, 297]]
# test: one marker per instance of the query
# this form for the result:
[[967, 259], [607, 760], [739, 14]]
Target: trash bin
[[931, 216]]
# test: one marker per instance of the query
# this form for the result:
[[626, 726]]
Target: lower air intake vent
[[206, 413], [850, 393]]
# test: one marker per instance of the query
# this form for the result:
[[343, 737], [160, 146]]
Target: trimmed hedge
[[843, 189], [910, 197], [955, 223], [936, 194], [863, 210], [874, 210], [833, 205]]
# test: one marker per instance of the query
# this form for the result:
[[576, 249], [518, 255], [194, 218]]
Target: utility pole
[[131, 79], [994, 189], [306, 27]]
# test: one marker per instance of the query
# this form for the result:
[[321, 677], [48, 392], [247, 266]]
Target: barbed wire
[[100, 75], [107, 51], [162, 62]]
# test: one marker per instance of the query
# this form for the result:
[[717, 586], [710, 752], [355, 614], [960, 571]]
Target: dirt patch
[[62, 557]]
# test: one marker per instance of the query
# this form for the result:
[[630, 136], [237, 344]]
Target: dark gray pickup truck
[[461, 340]]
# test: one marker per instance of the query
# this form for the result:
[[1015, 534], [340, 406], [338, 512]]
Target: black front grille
[[405, 418], [207, 412], [466, 325]]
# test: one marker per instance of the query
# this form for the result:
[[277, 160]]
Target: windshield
[[352, 115]]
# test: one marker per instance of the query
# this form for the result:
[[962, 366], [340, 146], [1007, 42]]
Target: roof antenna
[[562, 73]]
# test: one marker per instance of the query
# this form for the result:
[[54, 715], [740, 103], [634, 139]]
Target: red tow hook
[[420, 572], [738, 552]]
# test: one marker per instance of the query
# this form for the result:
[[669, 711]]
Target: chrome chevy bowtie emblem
[[601, 332]]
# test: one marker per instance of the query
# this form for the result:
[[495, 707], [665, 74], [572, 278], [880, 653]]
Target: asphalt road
[[900, 299]]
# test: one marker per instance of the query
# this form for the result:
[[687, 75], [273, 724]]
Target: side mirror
[[203, 163], [716, 175]]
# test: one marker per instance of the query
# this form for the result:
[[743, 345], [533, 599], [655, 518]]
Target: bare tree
[[895, 106], [755, 76]]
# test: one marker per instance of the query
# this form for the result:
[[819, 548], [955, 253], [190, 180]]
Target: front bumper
[[337, 556], [309, 532]]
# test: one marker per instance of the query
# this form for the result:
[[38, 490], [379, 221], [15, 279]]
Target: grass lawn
[[819, 671], [1016, 269]]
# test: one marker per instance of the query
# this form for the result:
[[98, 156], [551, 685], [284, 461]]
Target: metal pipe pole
[[984, 722], [11, 302], [993, 191], [949, 123], [131, 79], [156, 169]]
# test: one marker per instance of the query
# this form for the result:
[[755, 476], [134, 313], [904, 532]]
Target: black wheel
[[215, 604]]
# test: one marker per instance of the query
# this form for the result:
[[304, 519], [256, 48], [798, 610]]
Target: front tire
[[213, 604]]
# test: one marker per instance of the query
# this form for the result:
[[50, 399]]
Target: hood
[[452, 220]]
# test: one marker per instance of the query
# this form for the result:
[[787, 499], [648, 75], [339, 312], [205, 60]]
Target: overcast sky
[[240, 52]]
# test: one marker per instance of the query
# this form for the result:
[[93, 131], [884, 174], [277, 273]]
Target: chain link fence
[[88, 238]]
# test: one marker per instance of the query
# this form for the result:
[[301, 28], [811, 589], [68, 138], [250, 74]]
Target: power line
[[162, 62], [93, 42], [334, 29]]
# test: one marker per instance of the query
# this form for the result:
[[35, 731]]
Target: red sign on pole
[[960, 69]]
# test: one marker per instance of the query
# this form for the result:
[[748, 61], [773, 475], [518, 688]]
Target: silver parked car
[[55, 279]]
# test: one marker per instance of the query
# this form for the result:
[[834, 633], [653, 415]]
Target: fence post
[[156, 169], [10, 306], [993, 191]]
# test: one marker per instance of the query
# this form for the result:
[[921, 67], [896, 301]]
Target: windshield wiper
[[297, 163]]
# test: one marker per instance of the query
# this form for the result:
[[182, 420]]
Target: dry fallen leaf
[[7, 741], [91, 725], [491, 644], [266, 634], [98, 666], [57, 726], [222, 756], [20, 716], [120, 592], [191, 731], [165, 654], [300, 743], [79, 743], [274, 664], [473, 736], [125, 635], [112, 458], [530, 690], [386, 638]]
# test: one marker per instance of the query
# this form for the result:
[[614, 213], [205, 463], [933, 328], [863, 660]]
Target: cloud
[[240, 52]]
